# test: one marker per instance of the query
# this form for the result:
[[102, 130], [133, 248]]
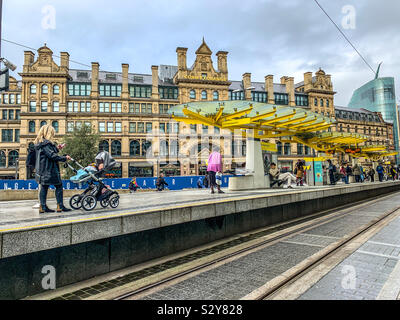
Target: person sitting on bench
[[276, 177]]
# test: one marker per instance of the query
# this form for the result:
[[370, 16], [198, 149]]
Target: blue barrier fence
[[174, 183]]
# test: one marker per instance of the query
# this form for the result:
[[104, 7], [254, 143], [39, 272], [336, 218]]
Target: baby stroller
[[96, 191]]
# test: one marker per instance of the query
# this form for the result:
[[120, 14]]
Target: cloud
[[262, 36]]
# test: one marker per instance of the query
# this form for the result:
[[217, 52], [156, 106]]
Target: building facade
[[130, 111]]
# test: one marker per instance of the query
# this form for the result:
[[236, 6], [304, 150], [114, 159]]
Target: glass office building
[[378, 95]]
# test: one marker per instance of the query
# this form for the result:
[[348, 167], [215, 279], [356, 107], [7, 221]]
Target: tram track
[[297, 227]]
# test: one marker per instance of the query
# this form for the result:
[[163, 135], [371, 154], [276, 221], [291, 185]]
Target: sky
[[282, 38]]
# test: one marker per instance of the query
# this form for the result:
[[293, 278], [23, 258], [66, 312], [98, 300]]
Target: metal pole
[[1, 22]]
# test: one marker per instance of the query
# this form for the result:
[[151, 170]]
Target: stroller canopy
[[105, 158]]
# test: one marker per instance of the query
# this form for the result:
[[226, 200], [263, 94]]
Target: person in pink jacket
[[214, 166]]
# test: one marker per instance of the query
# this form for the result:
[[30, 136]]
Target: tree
[[82, 145]]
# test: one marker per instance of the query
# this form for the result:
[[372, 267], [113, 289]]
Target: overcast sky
[[283, 38]]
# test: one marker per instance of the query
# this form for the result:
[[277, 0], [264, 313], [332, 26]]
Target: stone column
[[269, 87], [247, 84]]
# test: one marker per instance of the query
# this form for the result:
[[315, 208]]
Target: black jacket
[[47, 169]]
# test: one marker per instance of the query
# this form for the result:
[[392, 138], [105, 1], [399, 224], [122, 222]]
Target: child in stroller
[[96, 191]]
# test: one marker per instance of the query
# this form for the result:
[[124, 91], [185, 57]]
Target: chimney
[[222, 61], [269, 87], [125, 89], [290, 91], [283, 79], [95, 79], [181, 58], [246, 84], [307, 81], [64, 60], [154, 78], [29, 57]]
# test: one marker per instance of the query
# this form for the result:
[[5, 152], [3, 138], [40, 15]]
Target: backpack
[[348, 170]]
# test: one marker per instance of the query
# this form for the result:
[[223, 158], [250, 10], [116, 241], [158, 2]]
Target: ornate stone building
[[129, 110]]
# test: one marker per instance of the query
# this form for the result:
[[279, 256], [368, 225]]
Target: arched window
[[164, 148], [43, 123], [204, 95], [33, 88], [327, 102], [56, 89], [45, 89], [279, 147], [32, 126], [104, 146], [192, 94], [216, 95], [116, 148], [174, 148], [322, 102], [146, 148], [356, 129], [377, 132], [306, 150], [348, 128], [134, 148], [12, 158], [341, 128], [315, 102], [55, 125], [365, 130], [2, 159]]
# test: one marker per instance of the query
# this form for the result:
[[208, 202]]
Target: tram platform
[[146, 226]]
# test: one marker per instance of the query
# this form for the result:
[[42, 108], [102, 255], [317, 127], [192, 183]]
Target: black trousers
[[213, 181], [43, 194]]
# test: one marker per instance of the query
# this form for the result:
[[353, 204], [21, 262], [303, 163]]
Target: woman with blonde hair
[[47, 168]]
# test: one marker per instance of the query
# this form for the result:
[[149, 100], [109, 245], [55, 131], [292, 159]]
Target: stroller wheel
[[114, 202], [104, 203], [75, 202], [89, 203]]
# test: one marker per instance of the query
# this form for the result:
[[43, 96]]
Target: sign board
[[4, 79], [318, 172], [266, 146]]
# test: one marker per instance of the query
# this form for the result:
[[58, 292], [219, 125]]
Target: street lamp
[[8, 64]]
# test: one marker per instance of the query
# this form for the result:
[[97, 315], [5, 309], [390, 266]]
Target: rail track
[[324, 217]]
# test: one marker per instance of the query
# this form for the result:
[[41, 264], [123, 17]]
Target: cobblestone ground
[[242, 276], [373, 266]]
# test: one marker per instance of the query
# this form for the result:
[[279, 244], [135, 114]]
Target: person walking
[[214, 166], [349, 172], [371, 174], [379, 169], [299, 172], [161, 183], [133, 186], [393, 172], [47, 170], [332, 171]]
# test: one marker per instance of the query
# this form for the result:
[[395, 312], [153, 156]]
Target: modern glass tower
[[378, 95]]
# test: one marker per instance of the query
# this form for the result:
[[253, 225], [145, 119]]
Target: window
[[281, 98], [17, 114], [140, 91], [132, 127], [12, 158], [192, 94], [287, 148], [104, 146], [2, 159], [116, 107], [341, 128], [32, 106], [32, 126], [238, 95], [116, 148], [45, 89], [215, 95], [356, 129], [70, 126], [193, 129], [18, 99], [56, 89], [316, 102], [33, 89], [104, 107], [43, 106], [5, 111], [259, 96], [164, 148], [7, 135], [348, 128], [149, 127], [110, 127], [164, 108], [279, 147], [168, 93], [174, 148], [102, 127], [85, 106], [140, 127], [55, 125], [17, 134], [162, 127], [146, 148], [299, 149], [217, 130], [11, 115], [327, 102], [134, 148], [306, 150], [118, 127], [12, 99], [5, 99], [56, 106], [204, 95], [78, 89], [175, 127], [43, 123], [322, 102], [301, 100]]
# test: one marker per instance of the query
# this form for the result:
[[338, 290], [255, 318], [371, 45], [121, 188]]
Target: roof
[[259, 86]]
